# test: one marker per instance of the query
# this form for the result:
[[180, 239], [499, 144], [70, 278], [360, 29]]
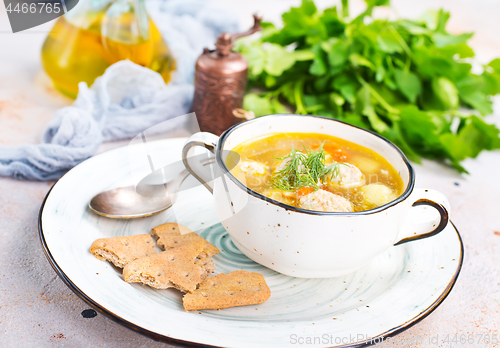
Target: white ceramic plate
[[396, 290]]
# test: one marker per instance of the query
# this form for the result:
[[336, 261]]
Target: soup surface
[[315, 172]]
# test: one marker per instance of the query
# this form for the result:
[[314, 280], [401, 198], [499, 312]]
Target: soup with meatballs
[[316, 172]]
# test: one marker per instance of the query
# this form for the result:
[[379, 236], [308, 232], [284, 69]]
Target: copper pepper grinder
[[220, 83]]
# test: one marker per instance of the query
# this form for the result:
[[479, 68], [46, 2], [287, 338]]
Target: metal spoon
[[127, 203]]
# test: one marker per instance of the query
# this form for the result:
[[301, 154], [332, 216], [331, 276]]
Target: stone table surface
[[38, 310]]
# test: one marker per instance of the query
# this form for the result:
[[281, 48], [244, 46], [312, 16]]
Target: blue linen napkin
[[127, 99]]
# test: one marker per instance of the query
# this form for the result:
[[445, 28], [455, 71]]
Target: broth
[[283, 167]]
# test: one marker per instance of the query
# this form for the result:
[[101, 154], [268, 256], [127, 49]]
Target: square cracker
[[172, 235], [238, 288], [122, 250], [174, 268]]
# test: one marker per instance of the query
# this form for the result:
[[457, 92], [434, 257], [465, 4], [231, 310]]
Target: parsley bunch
[[410, 81]]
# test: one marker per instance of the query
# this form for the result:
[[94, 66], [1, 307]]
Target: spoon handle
[[174, 185]]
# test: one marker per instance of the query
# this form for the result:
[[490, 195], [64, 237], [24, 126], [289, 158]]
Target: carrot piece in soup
[[334, 150], [331, 148], [305, 190]]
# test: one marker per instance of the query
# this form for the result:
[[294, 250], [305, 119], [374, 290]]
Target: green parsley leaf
[[446, 92], [278, 60], [408, 83]]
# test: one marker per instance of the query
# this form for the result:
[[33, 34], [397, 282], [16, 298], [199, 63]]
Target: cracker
[[238, 288], [122, 250], [174, 268], [172, 235]]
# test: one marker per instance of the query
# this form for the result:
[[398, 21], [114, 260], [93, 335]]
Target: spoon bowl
[[152, 195], [131, 203], [126, 203]]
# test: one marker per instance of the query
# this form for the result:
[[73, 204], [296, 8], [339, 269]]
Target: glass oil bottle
[[97, 33]]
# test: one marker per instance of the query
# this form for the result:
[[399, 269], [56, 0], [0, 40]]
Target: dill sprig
[[293, 175], [304, 169], [315, 162], [331, 171]]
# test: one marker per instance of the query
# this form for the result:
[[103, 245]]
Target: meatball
[[282, 165], [322, 200], [253, 168], [378, 194], [251, 173], [349, 176]]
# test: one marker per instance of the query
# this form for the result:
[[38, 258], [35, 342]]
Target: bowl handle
[[197, 168], [418, 230]]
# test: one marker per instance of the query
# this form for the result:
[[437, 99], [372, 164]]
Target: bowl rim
[[226, 171]]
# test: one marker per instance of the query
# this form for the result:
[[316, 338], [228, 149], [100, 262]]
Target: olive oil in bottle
[[73, 51], [97, 33], [128, 33]]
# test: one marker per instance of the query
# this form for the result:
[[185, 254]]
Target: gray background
[[38, 310]]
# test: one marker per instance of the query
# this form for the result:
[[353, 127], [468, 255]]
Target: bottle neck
[[88, 13]]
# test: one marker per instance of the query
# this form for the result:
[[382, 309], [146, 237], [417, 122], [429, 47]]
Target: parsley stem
[[297, 91], [345, 8], [402, 42], [377, 96], [407, 64]]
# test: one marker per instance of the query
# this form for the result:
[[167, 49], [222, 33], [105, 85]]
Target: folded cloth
[[127, 99]]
